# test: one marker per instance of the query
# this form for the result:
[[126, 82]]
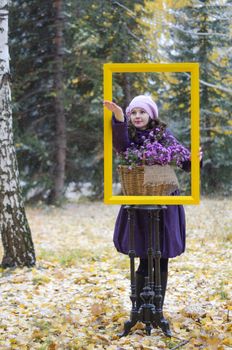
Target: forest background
[[77, 278], [57, 56]]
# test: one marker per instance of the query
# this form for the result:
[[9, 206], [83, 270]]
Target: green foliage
[[103, 31], [32, 67], [200, 33], [96, 32], [215, 102]]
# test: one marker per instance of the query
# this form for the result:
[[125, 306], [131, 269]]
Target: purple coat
[[172, 219]]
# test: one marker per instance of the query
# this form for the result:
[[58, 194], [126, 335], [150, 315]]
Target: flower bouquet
[[147, 169]]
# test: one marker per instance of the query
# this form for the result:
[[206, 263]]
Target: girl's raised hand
[[113, 107]]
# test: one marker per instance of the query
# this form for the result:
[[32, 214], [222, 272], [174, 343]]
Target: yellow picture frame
[[193, 69]]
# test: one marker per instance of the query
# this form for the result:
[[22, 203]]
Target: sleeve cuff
[[115, 121]]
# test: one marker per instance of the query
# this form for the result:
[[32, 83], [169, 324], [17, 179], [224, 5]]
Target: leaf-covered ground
[[77, 297]]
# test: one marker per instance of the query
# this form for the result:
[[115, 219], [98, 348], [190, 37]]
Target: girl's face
[[139, 118]]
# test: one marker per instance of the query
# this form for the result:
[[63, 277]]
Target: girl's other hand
[[113, 107], [200, 154]]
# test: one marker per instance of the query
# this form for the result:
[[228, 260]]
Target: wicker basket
[[133, 181]]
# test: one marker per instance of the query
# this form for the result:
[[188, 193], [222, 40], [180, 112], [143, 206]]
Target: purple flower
[[154, 152]]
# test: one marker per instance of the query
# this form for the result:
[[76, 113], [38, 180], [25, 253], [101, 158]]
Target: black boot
[[164, 279], [140, 281]]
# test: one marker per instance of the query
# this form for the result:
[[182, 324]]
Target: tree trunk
[[60, 138], [16, 235], [127, 89], [126, 81]]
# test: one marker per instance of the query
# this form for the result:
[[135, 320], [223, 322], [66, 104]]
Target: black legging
[[143, 266]]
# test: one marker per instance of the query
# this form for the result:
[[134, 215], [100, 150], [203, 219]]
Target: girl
[[141, 119]]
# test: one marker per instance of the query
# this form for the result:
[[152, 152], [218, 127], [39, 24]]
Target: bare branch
[[219, 87], [180, 345]]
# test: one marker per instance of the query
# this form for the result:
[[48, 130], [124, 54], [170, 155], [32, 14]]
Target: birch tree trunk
[[16, 235]]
